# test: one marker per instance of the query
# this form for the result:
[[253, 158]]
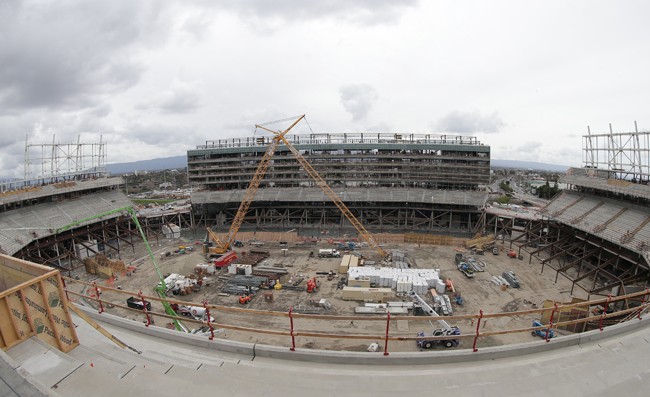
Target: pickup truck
[[136, 303]]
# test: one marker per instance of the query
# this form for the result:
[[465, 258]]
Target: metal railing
[[286, 323]]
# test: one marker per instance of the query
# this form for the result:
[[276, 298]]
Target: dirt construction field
[[478, 293]]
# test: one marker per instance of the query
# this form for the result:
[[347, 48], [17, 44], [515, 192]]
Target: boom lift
[[224, 246], [161, 288], [279, 136]]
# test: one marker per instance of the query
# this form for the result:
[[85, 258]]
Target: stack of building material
[[360, 282], [511, 279], [403, 280], [367, 294], [500, 281], [380, 308], [345, 264], [171, 231], [238, 284], [103, 267], [477, 266], [204, 268], [271, 273], [253, 257], [445, 305], [480, 243], [235, 268], [399, 259]]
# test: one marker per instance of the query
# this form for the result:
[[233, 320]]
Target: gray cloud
[[68, 54], [162, 134], [275, 13], [181, 98], [470, 122], [529, 147], [358, 99]]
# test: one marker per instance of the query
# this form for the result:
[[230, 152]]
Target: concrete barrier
[[365, 358], [241, 348]]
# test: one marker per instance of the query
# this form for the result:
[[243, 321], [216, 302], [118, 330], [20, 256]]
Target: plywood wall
[[37, 306]]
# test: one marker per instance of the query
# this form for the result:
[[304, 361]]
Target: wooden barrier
[[33, 302]]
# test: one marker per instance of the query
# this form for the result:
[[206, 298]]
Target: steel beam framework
[[378, 217], [591, 263], [112, 235]]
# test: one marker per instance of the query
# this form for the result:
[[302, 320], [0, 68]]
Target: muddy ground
[[479, 293]]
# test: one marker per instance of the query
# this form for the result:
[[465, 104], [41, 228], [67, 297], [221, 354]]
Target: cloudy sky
[[157, 78]]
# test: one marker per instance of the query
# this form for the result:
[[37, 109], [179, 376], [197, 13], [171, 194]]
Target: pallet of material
[[367, 294], [408, 305], [480, 242], [253, 257], [380, 310]]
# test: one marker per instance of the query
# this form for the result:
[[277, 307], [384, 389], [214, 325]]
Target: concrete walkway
[[613, 363]]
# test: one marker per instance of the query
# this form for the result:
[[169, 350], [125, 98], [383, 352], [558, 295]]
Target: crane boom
[[429, 310], [251, 190], [365, 235]]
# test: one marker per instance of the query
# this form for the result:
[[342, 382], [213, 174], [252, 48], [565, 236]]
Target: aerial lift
[[446, 330], [365, 235], [223, 246], [160, 288]]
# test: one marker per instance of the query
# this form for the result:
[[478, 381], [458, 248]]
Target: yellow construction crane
[[223, 246], [365, 235]]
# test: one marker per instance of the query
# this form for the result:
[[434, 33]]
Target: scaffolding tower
[[621, 155], [58, 161]]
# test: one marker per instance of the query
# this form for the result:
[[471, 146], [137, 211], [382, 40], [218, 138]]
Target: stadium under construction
[[430, 189]]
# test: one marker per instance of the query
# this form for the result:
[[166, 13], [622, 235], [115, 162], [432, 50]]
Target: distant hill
[[147, 165], [528, 165], [181, 162]]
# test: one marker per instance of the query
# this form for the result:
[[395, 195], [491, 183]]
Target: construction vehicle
[[161, 288], [466, 270], [448, 343], [542, 332], [136, 303], [513, 254], [312, 285], [329, 253], [333, 196], [445, 330], [244, 299]]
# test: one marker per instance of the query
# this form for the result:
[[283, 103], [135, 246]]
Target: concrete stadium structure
[[596, 235], [391, 182]]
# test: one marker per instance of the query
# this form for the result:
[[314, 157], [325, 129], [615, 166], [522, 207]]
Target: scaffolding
[[53, 162], [622, 155]]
